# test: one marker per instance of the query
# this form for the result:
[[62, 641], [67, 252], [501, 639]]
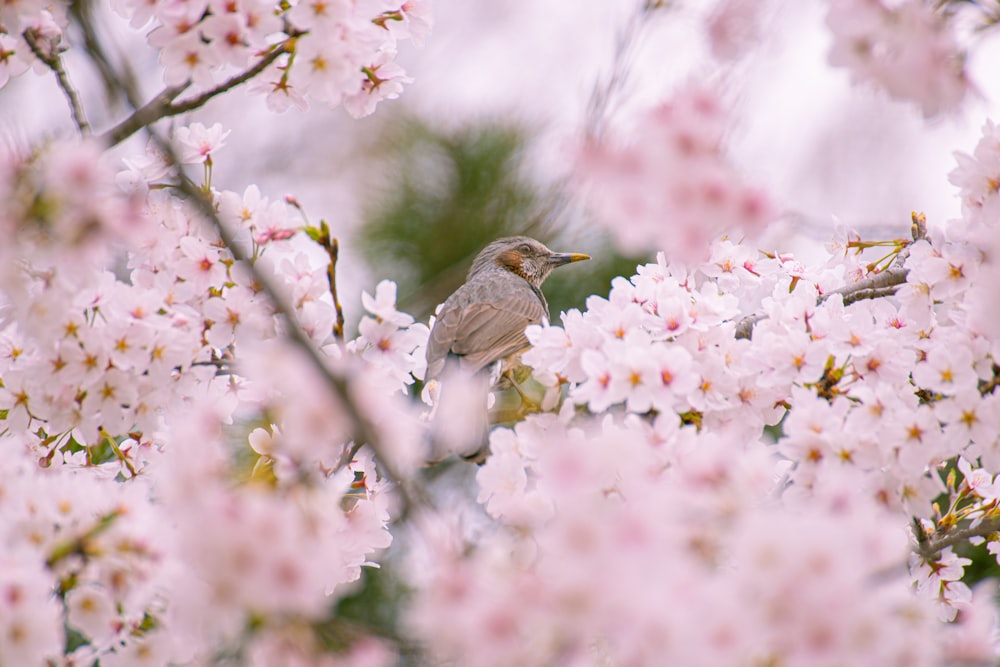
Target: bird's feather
[[482, 330]]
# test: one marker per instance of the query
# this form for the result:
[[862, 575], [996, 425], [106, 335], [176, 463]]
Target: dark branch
[[872, 287], [363, 429], [115, 81], [146, 115], [37, 43], [744, 329], [226, 86], [163, 106], [929, 548], [861, 295], [875, 287]]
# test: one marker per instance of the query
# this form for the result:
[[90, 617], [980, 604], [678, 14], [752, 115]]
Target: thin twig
[[115, 82], [53, 61], [163, 106], [605, 92], [222, 366], [188, 105]]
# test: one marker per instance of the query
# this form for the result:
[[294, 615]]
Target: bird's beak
[[560, 258]]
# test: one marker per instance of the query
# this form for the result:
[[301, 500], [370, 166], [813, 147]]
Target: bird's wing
[[441, 339], [482, 332]]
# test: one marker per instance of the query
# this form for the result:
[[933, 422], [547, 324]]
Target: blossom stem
[[80, 545], [118, 453], [333, 250]]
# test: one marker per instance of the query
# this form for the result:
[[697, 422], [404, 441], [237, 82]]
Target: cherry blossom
[[733, 456], [32, 631], [199, 142], [681, 140], [733, 27], [908, 48]]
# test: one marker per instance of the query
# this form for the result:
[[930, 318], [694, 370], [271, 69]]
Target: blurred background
[[480, 144]]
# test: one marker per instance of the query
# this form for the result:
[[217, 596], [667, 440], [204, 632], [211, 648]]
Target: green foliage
[[449, 193], [983, 566], [569, 287], [374, 606], [74, 640]]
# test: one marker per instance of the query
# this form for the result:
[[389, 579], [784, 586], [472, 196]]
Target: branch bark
[[146, 115], [875, 287], [37, 43], [115, 81], [929, 548], [163, 106], [363, 429]]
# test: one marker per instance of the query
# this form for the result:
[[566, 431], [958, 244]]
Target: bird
[[483, 321], [479, 327]]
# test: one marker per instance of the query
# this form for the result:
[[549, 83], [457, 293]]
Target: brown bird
[[483, 321]]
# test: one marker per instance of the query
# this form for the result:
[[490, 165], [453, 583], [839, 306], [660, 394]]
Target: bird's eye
[[525, 249]]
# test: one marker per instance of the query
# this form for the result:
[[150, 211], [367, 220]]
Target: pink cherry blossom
[[199, 142], [908, 48], [705, 195], [739, 458]]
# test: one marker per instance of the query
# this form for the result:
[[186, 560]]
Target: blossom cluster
[[671, 185], [335, 52], [736, 459], [907, 48], [650, 544], [120, 510], [978, 179], [56, 199], [716, 545], [885, 422]]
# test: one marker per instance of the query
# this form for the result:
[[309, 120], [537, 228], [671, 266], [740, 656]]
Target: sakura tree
[[733, 457]]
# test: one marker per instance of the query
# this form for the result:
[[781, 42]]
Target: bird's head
[[523, 256]]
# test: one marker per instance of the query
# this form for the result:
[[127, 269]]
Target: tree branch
[[36, 42], [160, 107], [153, 111], [363, 429], [197, 101], [744, 328], [874, 287], [880, 285], [604, 92], [163, 106], [930, 548], [115, 81]]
